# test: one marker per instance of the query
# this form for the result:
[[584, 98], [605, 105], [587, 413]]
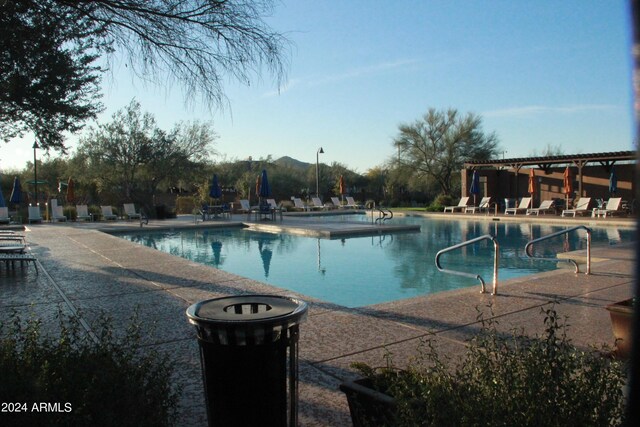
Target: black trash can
[[246, 368]]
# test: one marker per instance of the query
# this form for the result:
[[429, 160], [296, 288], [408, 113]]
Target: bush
[[509, 380], [105, 382]]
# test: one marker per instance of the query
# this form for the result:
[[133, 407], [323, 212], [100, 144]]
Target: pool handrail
[[496, 258], [529, 245]]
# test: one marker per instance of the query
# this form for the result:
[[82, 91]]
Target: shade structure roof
[[544, 162]]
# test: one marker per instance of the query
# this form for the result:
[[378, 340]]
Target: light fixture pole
[[35, 169], [320, 151]]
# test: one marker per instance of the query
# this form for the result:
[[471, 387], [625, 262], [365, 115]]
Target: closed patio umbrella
[[215, 192], [71, 195], [2, 202], [613, 181], [475, 186], [567, 184], [265, 189], [342, 187], [532, 182], [16, 192]]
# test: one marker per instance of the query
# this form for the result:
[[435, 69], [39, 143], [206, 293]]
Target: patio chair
[[484, 205], [612, 207], [352, 203], [299, 204], [336, 202], [462, 205], [57, 214], [107, 213], [245, 207], [10, 259], [545, 206], [317, 203], [522, 207], [276, 208], [34, 214], [4, 215], [82, 213], [130, 211], [581, 208]]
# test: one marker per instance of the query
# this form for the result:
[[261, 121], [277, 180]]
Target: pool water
[[361, 271]]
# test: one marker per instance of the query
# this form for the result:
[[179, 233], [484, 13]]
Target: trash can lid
[[224, 320]]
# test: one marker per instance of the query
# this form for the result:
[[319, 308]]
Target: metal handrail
[[382, 214], [496, 257], [528, 247]]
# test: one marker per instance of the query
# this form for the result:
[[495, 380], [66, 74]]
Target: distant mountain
[[287, 161]]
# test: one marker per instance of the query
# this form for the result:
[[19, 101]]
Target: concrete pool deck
[[83, 270]]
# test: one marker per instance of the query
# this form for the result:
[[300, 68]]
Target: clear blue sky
[[539, 73]]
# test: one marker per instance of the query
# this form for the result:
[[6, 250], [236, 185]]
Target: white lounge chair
[[484, 205], [336, 202], [317, 203], [82, 213], [107, 213], [299, 204], [522, 207], [130, 211], [545, 206], [612, 207], [34, 214], [57, 214], [581, 208], [352, 203], [275, 207], [462, 205], [4, 215]]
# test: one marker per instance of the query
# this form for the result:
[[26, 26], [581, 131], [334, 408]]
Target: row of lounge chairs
[[612, 207], [82, 213]]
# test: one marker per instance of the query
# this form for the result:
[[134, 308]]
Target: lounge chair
[[34, 214], [581, 208], [107, 213], [275, 207], [317, 203], [462, 205], [612, 207], [352, 203], [336, 202], [57, 214], [12, 245], [245, 207], [545, 206], [10, 260], [484, 205], [130, 211], [82, 213], [299, 204], [522, 207], [4, 216]]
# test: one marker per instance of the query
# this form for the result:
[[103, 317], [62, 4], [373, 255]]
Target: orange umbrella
[[70, 191], [532, 181], [568, 184]]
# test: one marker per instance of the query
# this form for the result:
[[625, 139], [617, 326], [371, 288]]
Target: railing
[[496, 257], [529, 247], [384, 214], [144, 219]]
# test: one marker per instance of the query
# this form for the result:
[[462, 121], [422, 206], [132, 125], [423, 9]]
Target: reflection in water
[[368, 270]]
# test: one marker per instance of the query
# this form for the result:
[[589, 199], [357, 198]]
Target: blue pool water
[[361, 271]]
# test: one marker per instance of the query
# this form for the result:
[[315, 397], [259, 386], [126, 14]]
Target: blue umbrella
[[613, 181], [265, 190], [475, 186], [16, 192], [215, 192], [2, 202]]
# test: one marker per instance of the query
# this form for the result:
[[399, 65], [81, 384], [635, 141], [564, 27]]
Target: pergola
[[545, 162]]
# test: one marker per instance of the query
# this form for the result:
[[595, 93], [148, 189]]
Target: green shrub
[[109, 381], [507, 380]]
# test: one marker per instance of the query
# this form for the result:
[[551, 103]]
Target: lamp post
[[35, 169], [320, 151]]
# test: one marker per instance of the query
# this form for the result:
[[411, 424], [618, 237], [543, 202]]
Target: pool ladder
[[528, 250], [496, 256], [384, 214]]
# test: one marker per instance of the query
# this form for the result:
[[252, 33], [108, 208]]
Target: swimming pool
[[361, 271]]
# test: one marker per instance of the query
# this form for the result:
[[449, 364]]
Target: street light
[[320, 151], [35, 169]]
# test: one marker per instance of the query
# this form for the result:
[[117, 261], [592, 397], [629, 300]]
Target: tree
[[131, 153], [48, 83], [49, 47], [436, 146]]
